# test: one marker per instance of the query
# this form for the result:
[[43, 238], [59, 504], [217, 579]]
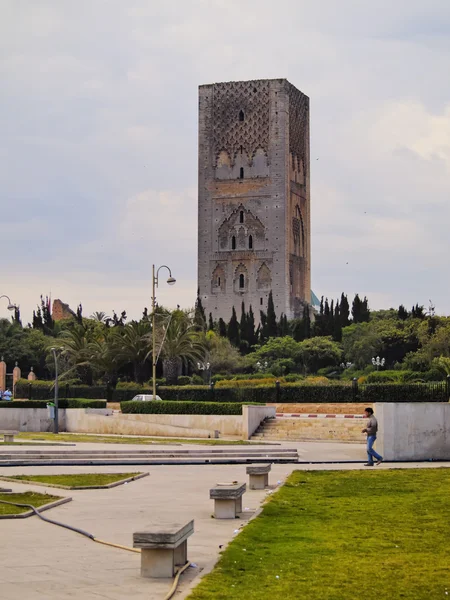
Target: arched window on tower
[[241, 216], [241, 281], [241, 115], [233, 242], [250, 242], [241, 173]]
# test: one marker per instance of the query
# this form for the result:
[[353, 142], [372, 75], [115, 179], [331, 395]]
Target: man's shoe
[[368, 465], [379, 461]]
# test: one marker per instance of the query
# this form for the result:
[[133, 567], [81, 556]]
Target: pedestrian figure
[[7, 395], [371, 431]]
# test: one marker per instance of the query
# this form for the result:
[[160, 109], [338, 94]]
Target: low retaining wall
[[252, 417], [100, 420], [30, 419], [413, 431], [196, 426]]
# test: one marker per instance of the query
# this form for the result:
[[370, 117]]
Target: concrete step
[[26, 462]]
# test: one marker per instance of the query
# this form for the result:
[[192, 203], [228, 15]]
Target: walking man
[[371, 431]]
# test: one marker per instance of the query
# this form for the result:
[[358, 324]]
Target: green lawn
[[335, 535], [75, 480], [25, 498], [104, 439]]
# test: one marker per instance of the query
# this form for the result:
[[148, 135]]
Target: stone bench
[[259, 476], [163, 548], [227, 499], [8, 436]]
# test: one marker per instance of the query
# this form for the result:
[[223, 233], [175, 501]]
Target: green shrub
[[44, 390], [168, 407], [183, 380], [62, 403]]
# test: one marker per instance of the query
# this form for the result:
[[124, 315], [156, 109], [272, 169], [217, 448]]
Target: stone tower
[[253, 198]]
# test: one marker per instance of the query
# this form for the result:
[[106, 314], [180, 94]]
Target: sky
[[98, 142]]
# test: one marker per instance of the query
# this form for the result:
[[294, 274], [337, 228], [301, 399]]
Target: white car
[[145, 398]]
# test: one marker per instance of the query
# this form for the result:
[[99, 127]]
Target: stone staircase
[[307, 428], [212, 455]]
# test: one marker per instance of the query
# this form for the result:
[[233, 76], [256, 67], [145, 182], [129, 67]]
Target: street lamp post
[[55, 416], [207, 368], [11, 306], [378, 362], [262, 366], [170, 281]]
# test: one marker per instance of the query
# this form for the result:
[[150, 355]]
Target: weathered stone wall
[[253, 221], [61, 311]]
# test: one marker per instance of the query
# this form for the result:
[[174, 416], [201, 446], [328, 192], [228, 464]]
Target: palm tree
[[182, 344], [132, 344], [76, 343], [99, 316]]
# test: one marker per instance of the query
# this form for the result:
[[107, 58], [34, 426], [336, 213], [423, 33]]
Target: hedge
[[406, 392], [168, 407], [44, 390], [269, 394], [62, 403]]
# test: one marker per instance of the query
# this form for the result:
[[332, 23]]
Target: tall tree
[[233, 329], [263, 330], [210, 323], [337, 326], [272, 329], [79, 316], [251, 333], [199, 317], [402, 313], [243, 342], [222, 328], [344, 311], [357, 309], [16, 318], [307, 321]]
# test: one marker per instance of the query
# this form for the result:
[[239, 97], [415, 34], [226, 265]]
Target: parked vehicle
[[145, 398]]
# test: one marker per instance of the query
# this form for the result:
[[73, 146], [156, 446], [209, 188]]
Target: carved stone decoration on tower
[[254, 201]]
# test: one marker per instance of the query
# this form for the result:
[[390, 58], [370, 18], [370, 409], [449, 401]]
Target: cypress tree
[[222, 328], [365, 311], [211, 323], [402, 313], [344, 311], [243, 331], [337, 327], [272, 328], [233, 329], [199, 316], [307, 322], [263, 331], [252, 338], [356, 309]]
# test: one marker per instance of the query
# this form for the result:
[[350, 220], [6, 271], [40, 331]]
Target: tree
[[233, 329], [211, 323], [402, 314], [418, 312], [16, 317], [277, 348], [356, 309], [222, 356], [183, 345], [79, 316], [76, 343], [222, 328], [283, 326], [199, 315], [272, 329], [252, 338], [318, 353], [337, 327], [344, 311], [99, 317], [243, 342], [263, 330], [132, 344]]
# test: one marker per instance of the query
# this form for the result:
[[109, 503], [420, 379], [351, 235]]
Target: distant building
[[61, 311], [254, 202]]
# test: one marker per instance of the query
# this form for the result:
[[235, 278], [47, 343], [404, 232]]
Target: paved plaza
[[41, 561]]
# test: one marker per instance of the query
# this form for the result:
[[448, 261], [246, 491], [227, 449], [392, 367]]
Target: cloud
[[98, 141]]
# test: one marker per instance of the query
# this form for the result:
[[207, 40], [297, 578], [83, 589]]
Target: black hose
[[36, 512]]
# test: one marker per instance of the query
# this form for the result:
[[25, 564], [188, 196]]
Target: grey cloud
[[99, 107]]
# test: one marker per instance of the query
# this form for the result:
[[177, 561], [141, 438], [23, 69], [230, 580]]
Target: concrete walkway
[[41, 561]]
